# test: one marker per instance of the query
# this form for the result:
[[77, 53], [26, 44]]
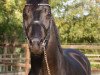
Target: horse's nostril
[[41, 40], [37, 42]]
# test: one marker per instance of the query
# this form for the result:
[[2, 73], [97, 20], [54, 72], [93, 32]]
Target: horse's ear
[[25, 16], [24, 13], [27, 11]]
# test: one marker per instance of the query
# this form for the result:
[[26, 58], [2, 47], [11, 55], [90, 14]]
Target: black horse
[[47, 56]]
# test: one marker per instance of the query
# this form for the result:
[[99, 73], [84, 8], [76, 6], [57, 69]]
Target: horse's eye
[[49, 13]]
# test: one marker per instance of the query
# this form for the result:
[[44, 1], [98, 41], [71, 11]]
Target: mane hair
[[34, 2], [57, 34]]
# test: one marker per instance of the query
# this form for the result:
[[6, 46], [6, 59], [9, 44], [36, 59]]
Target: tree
[[78, 21], [11, 19]]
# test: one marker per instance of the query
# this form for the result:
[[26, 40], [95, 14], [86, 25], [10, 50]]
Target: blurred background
[[78, 22]]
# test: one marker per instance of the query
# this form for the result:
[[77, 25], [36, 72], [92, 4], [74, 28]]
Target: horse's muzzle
[[35, 46]]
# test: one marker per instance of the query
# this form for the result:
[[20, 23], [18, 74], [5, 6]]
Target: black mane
[[57, 35], [36, 1]]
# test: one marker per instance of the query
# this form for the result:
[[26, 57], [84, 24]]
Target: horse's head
[[36, 24]]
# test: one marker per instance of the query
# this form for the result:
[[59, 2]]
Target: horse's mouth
[[36, 49]]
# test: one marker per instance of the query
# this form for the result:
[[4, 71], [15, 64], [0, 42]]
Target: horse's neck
[[54, 52], [61, 64], [36, 63], [56, 61], [55, 57]]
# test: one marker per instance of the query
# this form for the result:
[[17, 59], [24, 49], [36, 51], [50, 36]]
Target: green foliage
[[11, 18], [78, 21]]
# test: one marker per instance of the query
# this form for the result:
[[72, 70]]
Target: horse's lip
[[36, 49]]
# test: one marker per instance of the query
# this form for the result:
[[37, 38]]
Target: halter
[[45, 41]]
